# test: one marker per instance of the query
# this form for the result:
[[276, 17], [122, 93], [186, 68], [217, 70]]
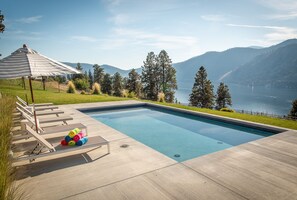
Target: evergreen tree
[[98, 74], [223, 97], [91, 81], [125, 82], [117, 84], [106, 86], [293, 112], [133, 82], [2, 26], [167, 76], [202, 91], [79, 76], [149, 77], [86, 76]]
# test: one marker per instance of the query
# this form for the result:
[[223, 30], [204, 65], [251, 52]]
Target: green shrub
[[96, 88], [132, 95], [124, 93], [227, 110], [71, 87], [81, 84], [161, 97]]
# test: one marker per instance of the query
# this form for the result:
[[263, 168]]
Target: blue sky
[[122, 32]]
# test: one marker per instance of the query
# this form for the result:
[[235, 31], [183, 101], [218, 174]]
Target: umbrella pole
[[34, 112], [24, 84]]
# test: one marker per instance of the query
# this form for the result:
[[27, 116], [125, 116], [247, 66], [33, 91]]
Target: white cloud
[[284, 9], [281, 5], [22, 35], [274, 33], [29, 20], [84, 38], [213, 18], [285, 16], [114, 2], [256, 26], [121, 19], [156, 40]]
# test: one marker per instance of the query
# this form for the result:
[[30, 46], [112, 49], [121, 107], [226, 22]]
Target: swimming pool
[[178, 135]]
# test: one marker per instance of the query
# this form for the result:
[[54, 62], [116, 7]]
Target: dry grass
[[8, 189]]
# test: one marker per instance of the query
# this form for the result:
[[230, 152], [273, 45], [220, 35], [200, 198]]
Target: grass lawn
[[253, 118], [51, 94]]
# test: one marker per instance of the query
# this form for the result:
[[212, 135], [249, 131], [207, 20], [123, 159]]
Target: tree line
[[156, 82]]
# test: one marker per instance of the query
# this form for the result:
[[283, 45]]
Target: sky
[[122, 32]]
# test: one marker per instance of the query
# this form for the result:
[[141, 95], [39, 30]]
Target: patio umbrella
[[26, 62]]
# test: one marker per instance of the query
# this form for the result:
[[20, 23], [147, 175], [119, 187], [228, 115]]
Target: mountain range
[[274, 66], [107, 68]]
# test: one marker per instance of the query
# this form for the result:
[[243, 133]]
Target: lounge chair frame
[[42, 143]]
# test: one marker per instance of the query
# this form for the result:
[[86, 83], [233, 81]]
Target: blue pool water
[[177, 135]]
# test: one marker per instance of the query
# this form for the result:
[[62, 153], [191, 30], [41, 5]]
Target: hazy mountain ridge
[[107, 68], [274, 66], [235, 65], [277, 68]]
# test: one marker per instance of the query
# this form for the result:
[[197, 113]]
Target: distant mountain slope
[[221, 64], [275, 68], [107, 68], [272, 66], [216, 63]]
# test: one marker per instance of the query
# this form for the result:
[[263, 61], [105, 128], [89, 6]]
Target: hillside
[[216, 64], [277, 68], [224, 64]]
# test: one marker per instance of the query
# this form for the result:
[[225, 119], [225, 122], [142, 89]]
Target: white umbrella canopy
[[28, 62]]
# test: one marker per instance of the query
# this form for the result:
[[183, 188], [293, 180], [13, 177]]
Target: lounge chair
[[63, 119], [36, 104], [37, 108], [45, 129], [39, 113], [44, 148]]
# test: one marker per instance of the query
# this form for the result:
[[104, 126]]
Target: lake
[[257, 99]]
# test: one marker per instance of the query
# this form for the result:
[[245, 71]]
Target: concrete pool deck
[[261, 169]]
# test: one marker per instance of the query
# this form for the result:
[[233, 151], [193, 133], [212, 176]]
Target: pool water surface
[[177, 135]]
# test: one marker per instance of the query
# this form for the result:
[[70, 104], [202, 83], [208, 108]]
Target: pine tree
[[79, 76], [125, 82], [2, 26], [202, 91], [91, 81], [167, 76], [293, 112], [133, 82], [117, 84], [223, 97], [98, 74], [106, 86], [149, 77]]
